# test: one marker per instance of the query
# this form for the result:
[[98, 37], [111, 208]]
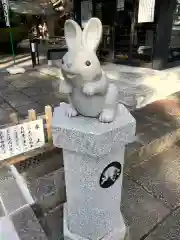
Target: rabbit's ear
[[73, 34], [92, 33]]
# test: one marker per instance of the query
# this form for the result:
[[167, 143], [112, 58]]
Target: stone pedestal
[[93, 162]]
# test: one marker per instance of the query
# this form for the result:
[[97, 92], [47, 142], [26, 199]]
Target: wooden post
[[48, 117], [94, 8], [163, 34], [77, 11], [32, 115]]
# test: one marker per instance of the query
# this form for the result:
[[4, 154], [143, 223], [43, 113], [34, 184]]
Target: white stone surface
[[88, 135], [7, 230], [91, 151], [141, 86], [93, 211], [116, 234]]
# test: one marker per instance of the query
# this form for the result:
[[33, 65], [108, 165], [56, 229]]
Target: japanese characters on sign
[[21, 138], [5, 5], [146, 11]]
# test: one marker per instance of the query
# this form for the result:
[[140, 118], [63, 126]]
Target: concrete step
[[43, 178], [17, 219], [158, 128]]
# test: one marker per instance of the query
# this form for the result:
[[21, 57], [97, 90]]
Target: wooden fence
[[32, 116]]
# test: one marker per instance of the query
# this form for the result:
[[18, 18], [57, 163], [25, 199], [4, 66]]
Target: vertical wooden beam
[[163, 33], [77, 11], [94, 8]]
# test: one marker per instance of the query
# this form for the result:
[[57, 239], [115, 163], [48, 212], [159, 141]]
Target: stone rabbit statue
[[90, 92]]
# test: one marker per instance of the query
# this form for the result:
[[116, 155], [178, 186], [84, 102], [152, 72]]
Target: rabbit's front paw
[[89, 89], [71, 112], [107, 115]]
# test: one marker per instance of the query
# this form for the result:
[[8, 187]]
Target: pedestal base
[[118, 233]]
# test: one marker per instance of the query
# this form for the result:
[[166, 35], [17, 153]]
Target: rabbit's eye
[[88, 63]]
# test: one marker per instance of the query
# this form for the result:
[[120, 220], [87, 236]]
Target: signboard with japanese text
[[21, 138], [146, 11], [5, 5]]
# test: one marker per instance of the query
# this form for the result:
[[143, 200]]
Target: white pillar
[[93, 162]]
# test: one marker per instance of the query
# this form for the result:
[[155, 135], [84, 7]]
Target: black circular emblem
[[110, 174]]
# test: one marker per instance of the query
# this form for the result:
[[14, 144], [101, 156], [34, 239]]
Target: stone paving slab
[[156, 131], [169, 229], [52, 222], [23, 110], [10, 193], [53, 99], [31, 90], [17, 99], [160, 176], [27, 225], [7, 230], [141, 211]]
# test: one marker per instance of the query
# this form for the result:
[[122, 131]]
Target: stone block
[[27, 225], [93, 160], [47, 184], [90, 136], [49, 202], [140, 209], [7, 230], [52, 222], [10, 193], [17, 99], [168, 229], [48, 191], [42, 186]]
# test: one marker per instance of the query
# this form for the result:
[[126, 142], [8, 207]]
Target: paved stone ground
[[151, 187], [18, 93], [151, 191]]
